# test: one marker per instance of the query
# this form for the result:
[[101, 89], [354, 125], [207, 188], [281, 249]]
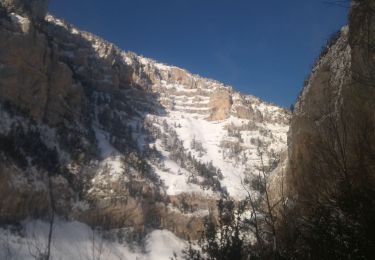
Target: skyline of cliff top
[[265, 49]]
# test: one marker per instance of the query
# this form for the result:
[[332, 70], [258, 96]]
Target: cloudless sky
[[260, 47]]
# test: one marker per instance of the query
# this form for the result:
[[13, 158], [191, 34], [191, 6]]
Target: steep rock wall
[[26, 51], [332, 127]]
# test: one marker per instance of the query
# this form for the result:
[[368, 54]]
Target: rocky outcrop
[[34, 9], [220, 103], [184, 214], [247, 112], [181, 77], [23, 196], [46, 82], [244, 112], [17, 203]]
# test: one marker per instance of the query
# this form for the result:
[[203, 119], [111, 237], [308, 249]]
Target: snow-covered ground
[[210, 134], [77, 241], [187, 102]]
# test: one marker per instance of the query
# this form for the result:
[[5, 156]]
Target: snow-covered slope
[[122, 141], [201, 118]]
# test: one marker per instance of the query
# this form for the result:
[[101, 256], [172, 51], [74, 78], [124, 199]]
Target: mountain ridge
[[132, 144]]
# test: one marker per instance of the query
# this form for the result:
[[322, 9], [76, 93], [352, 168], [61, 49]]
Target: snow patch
[[75, 241]]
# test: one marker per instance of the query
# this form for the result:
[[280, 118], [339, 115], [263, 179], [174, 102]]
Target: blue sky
[[263, 48]]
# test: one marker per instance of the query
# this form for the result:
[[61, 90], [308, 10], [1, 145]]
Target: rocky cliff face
[[332, 127], [118, 140], [34, 9]]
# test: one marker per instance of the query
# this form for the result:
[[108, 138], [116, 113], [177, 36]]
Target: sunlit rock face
[[320, 101], [221, 103], [35, 9], [32, 75], [334, 113]]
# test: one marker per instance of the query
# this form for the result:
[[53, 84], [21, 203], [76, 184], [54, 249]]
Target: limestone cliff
[[332, 128], [114, 139]]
